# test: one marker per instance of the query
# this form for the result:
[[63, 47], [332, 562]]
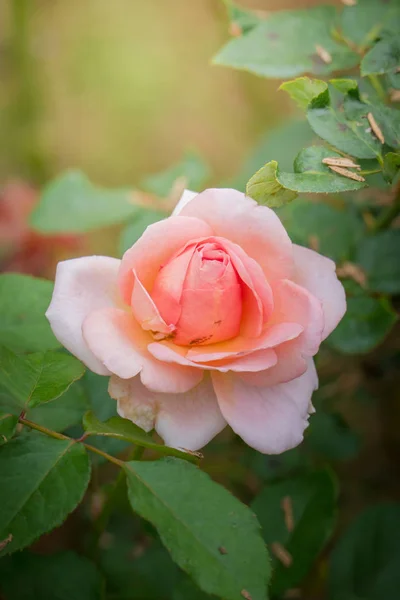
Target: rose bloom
[[211, 318]]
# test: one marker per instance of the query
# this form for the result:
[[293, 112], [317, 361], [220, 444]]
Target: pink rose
[[212, 317]]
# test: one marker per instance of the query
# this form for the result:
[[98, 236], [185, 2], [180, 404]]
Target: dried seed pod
[[375, 127], [346, 173], [340, 162]]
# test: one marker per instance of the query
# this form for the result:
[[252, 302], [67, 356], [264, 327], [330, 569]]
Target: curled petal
[[145, 311], [256, 229], [154, 248], [317, 274], [186, 421], [270, 419], [186, 197], [82, 286], [119, 342]]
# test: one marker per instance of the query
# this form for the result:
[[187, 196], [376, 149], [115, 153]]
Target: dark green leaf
[[365, 562], [388, 119], [303, 89], [382, 58], [62, 576], [334, 230], [191, 171], [71, 203], [285, 45], [23, 303], [33, 379], [187, 589], [282, 144], [123, 429], [209, 533], [391, 165], [379, 256], [343, 124], [132, 232], [67, 411], [273, 467], [330, 436], [365, 325], [312, 498], [368, 19], [8, 425], [45, 479]]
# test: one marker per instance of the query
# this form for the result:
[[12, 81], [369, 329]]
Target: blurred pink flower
[[212, 317]]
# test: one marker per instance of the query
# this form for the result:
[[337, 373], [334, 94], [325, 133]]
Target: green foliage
[[132, 232], [190, 173], [329, 436], [303, 90], [384, 57], [61, 576], [33, 379], [8, 424], [23, 302], [265, 187], [286, 44], [365, 325], [312, 500], [367, 20], [243, 19], [123, 429], [65, 412], [226, 557], [72, 204], [45, 479], [378, 255], [365, 562]]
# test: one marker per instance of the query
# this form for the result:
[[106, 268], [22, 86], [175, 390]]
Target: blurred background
[[122, 90]]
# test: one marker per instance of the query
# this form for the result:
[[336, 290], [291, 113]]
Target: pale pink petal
[[119, 342], [145, 311], [290, 365], [256, 229], [168, 353], [187, 421], [318, 275], [186, 197], [294, 303], [269, 419], [82, 285], [155, 247]]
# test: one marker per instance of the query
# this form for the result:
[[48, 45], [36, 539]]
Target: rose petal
[[145, 311], [269, 419], [186, 197], [186, 421], [120, 344], [256, 229], [154, 248], [82, 285], [290, 365], [317, 274]]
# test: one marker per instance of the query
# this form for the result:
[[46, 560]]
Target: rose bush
[[211, 318]]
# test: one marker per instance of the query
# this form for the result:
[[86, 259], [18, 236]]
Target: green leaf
[[368, 19], [245, 19], [282, 144], [123, 429], [343, 124], [191, 171], [335, 230], [274, 188], [61, 576], [303, 89], [378, 255], [71, 203], [33, 379], [265, 188], [391, 165], [45, 479], [23, 302], [345, 86], [312, 499], [388, 119], [132, 232], [365, 562], [285, 45], [330, 436], [67, 411], [382, 58], [209, 533], [8, 425], [365, 325]]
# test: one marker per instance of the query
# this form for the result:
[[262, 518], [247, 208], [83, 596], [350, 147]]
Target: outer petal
[[271, 419], [187, 421], [257, 229], [186, 197], [290, 365], [158, 243], [82, 285], [317, 274], [120, 344]]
